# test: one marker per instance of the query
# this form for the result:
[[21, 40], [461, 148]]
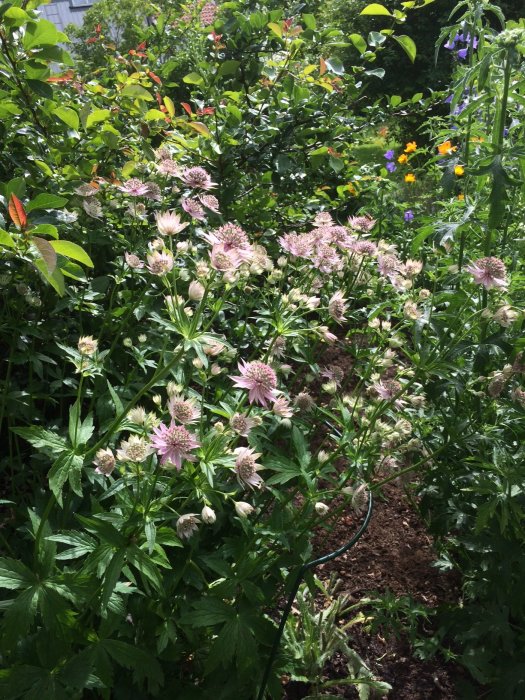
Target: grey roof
[[64, 12]]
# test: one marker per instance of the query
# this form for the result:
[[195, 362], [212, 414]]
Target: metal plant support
[[300, 575]]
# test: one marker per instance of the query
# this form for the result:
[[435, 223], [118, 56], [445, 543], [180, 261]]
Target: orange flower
[[459, 170], [410, 177], [402, 158], [446, 148], [411, 147]]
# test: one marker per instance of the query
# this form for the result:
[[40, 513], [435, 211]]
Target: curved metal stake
[[300, 574]]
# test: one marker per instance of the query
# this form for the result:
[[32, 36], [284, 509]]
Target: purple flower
[[408, 215], [451, 43], [391, 167], [390, 155], [462, 54]]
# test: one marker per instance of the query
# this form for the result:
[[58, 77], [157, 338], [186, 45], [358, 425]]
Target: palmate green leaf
[[208, 612], [111, 577], [143, 664], [14, 574], [285, 468], [20, 615], [143, 563], [81, 544], [42, 438], [59, 473]]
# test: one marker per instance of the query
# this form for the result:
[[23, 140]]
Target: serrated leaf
[[59, 472], [14, 574], [143, 664], [71, 250], [208, 612], [42, 438], [111, 577]]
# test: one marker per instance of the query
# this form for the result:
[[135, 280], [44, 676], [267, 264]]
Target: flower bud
[[195, 291], [321, 508], [208, 515], [243, 509]]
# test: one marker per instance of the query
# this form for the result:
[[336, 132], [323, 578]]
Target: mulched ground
[[394, 554]]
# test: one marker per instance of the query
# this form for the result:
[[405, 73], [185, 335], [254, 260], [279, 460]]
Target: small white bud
[[208, 515]]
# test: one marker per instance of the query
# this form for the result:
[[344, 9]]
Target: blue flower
[[390, 155], [391, 167], [408, 215]]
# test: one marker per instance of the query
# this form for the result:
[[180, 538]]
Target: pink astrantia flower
[[197, 178], [300, 246], [242, 424], [210, 202], [282, 408], [174, 444], [246, 467], [361, 223], [323, 218], [490, 272], [133, 261], [193, 208], [169, 167], [386, 389], [364, 247], [160, 263], [134, 187], [232, 238], [183, 410], [169, 223], [337, 307], [326, 259], [224, 260], [260, 379]]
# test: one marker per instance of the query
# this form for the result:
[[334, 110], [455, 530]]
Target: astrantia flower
[[224, 260], [208, 515], [193, 208], [334, 374], [169, 223], [326, 259], [361, 223], [169, 167], [386, 389], [304, 402], [187, 525], [281, 408], [490, 272], [388, 265], [208, 13], [279, 346], [174, 444], [183, 410], [301, 246], [242, 424], [87, 345], [210, 202], [160, 263], [133, 261], [246, 467], [104, 462], [323, 218], [505, 316], [232, 238], [412, 268], [337, 307], [260, 379], [134, 187], [134, 449], [195, 290], [363, 247], [197, 178]]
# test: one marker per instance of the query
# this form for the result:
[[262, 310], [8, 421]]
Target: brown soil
[[395, 554]]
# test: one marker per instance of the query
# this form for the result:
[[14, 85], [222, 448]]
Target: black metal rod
[[293, 592]]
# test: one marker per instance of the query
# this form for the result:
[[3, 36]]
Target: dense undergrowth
[[185, 228]]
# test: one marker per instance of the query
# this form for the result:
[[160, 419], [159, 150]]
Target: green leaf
[[358, 41], [309, 21], [111, 576], [143, 664], [229, 67], [46, 251], [335, 66], [72, 250], [408, 46], [81, 544], [201, 128], [376, 9], [193, 79], [59, 472], [46, 201], [46, 230], [336, 164], [14, 574], [276, 29], [99, 115], [68, 116], [154, 115], [42, 438], [138, 92], [395, 100], [208, 612], [41, 33], [5, 239], [56, 279]]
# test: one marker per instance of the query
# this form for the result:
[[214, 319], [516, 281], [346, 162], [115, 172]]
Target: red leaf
[[187, 108], [141, 46], [17, 212], [155, 77], [98, 28], [64, 78]]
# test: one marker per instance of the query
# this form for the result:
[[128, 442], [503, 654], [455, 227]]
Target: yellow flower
[[446, 148], [410, 177], [411, 147], [459, 170], [402, 158], [461, 197]]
